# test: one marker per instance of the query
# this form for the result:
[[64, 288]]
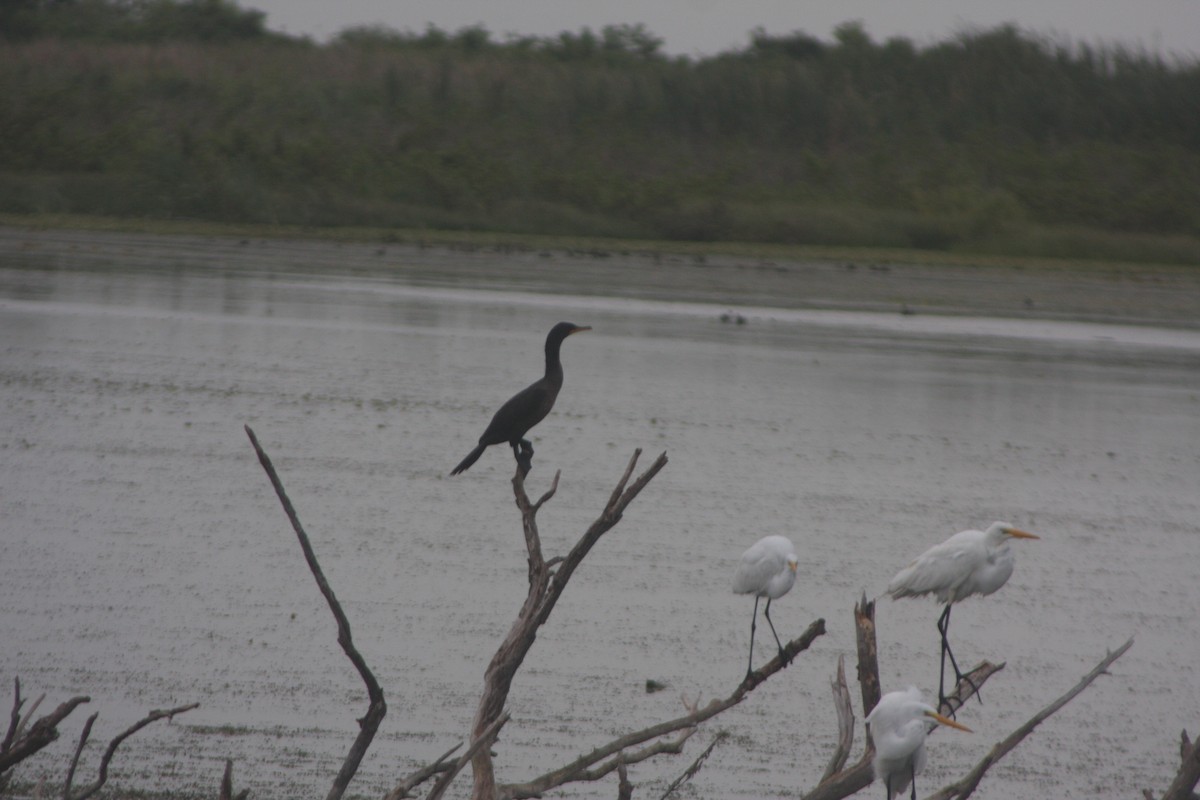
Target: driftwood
[[1184, 785]]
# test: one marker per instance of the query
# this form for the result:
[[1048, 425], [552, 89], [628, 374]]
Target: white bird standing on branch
[[767, 569], [970, 562], [899, 722]]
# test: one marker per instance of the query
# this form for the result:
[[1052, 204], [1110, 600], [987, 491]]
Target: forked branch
[[547, 580]]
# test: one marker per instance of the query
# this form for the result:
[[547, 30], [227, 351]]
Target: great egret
[[970, 562], [899, 724], [767, 569], [527, 407]]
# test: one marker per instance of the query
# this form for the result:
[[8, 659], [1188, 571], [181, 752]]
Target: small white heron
[[767, 569], [899, 724], [970, 562]]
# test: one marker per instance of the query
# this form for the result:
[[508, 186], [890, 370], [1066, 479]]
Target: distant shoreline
[[724, 274]]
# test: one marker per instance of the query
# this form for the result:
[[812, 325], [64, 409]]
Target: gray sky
[[703, 27]]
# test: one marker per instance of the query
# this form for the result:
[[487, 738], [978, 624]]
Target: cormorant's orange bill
[[947, 721], [580, 329]]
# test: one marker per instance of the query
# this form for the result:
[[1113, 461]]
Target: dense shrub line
[[991, 141]]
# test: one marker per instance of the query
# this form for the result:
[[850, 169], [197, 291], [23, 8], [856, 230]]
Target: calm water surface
[[146, 562]]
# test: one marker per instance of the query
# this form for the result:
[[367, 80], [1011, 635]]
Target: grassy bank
[[995, 143]]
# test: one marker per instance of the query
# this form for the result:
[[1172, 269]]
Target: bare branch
[[963, 788], [83, 737], [426, 772], [624, 787], [545, 587], [15, 718], [1184, 785], [845, 717], [377, 708], [868, 660], [153, 716], [691, 771], [578, 769], [227, 784], [41, 733], [481, 743]]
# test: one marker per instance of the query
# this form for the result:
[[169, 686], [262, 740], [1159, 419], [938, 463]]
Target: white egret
[[899, 724], [767, 569], [968, 563]]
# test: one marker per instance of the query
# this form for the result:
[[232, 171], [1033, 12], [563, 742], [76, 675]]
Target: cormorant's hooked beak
[[947, 721], [579, 329], [1020, 534]]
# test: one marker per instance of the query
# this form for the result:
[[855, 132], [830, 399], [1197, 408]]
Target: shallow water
[[146, 561]]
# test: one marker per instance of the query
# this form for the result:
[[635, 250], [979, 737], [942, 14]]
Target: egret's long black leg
[[767, 614], [753, 625], [912, 773], [944, 627], [887, 788]]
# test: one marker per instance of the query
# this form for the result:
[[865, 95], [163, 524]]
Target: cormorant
[[527, 407]]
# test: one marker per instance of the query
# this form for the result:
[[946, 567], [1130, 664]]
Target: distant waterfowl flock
[[969, 563]]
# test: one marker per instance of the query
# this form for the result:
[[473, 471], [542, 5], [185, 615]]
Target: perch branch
[[578, 769], [963, 788], [377, 708], [545, 587], [153, 716]]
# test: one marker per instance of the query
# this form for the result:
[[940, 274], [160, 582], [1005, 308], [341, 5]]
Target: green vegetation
[[995, 142]]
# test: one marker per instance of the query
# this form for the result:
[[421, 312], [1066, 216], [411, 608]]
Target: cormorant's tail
[[471, 458]]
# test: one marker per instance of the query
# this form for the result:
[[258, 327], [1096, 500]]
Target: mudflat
[[1160, 295]]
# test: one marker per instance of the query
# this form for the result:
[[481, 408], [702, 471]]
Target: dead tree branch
[[581, 768], [442, 764], [695, 766], [1184, 785], [546, 585], [377, 707], [227, 784], [41, 733], [963, 788], [845, 717], [482, 743], [102, 776], [846, 781]]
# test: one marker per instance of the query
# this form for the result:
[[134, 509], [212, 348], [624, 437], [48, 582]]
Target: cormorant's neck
[[554, 370]]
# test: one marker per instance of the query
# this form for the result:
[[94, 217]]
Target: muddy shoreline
[[1162, 296]]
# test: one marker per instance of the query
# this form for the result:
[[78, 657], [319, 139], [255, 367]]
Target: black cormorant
[[527, 407]]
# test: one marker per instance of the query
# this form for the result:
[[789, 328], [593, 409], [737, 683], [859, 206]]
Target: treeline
[[993, 141]]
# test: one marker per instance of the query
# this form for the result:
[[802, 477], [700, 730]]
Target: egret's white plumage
[[968, 563], [767, 569], [899, 724]]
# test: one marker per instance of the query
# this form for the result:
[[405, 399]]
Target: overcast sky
[[704, 27]]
